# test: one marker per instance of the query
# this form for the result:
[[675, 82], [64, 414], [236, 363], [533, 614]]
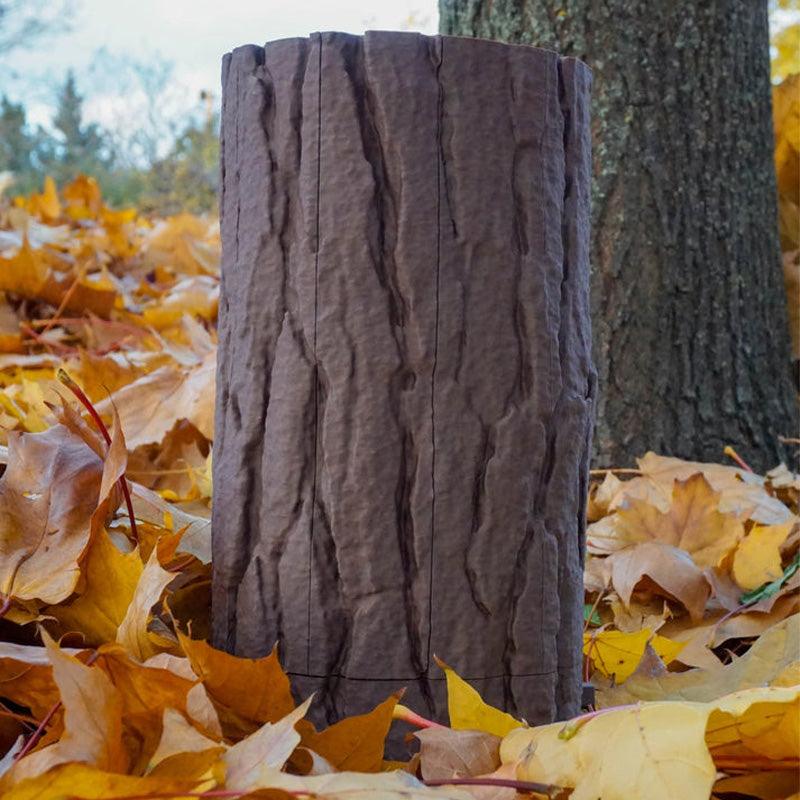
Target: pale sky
[[194, 34]]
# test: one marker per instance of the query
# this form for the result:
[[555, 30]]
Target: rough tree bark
[[690, 335], [404, 389]]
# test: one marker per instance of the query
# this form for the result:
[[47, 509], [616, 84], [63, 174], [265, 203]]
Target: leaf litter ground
[[107, 685]]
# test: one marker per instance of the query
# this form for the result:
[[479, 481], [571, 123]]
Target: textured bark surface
[[690, 335], [404, 389]]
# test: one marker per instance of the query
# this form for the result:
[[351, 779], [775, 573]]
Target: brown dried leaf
[[176, 394], [92, 721], [740, 493], [354, 743], [671, 570], [447, 753], [692, 522], [246, 692], [48, 494]]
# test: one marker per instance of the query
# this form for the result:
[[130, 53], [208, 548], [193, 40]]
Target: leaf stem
[[730, 452], [87, 404], [615, 471], [521, 786], [407, 715]]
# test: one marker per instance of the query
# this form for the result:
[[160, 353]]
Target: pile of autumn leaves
[[107, 687]]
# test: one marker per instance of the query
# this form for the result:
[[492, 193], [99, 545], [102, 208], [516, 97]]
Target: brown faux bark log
[[404, 389]]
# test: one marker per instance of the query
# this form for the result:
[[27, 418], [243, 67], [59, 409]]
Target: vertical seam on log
[[439, 167], [316, 366]]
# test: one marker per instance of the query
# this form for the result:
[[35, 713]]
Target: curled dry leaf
[[133, 632], [671, 569]]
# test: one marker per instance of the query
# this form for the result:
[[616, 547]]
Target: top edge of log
[[375, 34]]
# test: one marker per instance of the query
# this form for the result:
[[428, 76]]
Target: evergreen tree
[[16, 145], [77, 148]]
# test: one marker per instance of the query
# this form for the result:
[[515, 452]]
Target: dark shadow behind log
[[404, 389]]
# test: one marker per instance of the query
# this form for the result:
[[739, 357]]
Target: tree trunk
[[690, 334], [404, 390]]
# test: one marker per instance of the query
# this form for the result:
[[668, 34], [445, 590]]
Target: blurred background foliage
[[156, 154], [157, 149]]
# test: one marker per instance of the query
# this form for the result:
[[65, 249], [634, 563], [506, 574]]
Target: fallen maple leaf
[[616, 654], [652, 750], [774, 654], [692, 523], [250, 761], [48, 494], [109, 581], [756, 728], [446, 753], [355, 743], [468, 711], [741, 493], [671, 569], [86, 782], [92, 721], [757, 559], [246, 692], [395, 785], [179, 736], [133, 632], [187, 394]]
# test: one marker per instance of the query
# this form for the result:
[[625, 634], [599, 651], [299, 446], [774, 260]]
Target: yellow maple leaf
[[757, 559], [45, 205], [24, 273], [468, 711], [90, 783], [109, 583], [759, 726], [652, 750], [617, 654]]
